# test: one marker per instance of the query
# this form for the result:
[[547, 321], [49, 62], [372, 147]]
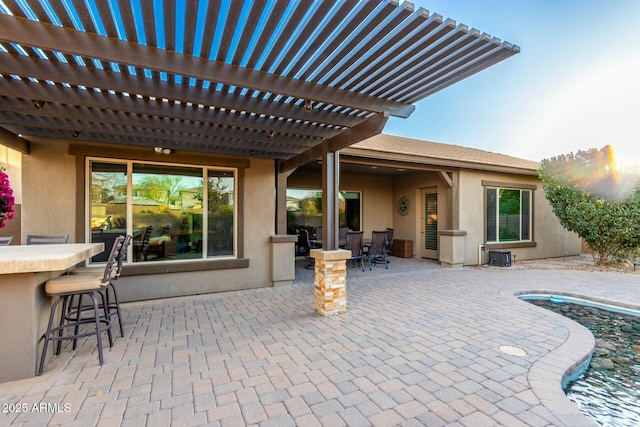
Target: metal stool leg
[[47, 335], [98, 331], [107, 315], [116, 305]]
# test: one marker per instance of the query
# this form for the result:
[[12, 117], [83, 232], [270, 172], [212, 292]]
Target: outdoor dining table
[[24, 305]]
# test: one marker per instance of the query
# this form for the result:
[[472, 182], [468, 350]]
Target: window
[[508, 214], [167, 203], [304, 209]]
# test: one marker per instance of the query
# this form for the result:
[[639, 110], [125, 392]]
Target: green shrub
[[594, 199]]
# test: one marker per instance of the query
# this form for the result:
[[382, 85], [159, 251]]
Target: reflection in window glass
[[304, 210], [163, 208], [167, 212], [508, 215], [108, 204], [220, 216]]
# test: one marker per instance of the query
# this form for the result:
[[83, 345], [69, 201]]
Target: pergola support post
[[281, 199], [330, 203]]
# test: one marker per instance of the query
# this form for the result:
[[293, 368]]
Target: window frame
[[486, 185], [205, 262]]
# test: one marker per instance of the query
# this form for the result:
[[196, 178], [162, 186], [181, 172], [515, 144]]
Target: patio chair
[[355, 244], [389, 240], [342, 236], [305, 243], [157, 244], [42, 239], [377, 250], [141, 246], [5, 241], [65, 287]]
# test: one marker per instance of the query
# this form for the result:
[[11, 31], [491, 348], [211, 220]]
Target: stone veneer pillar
[[331, 281]]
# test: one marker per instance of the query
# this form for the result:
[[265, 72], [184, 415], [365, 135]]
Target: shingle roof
[[399, 148], [265, 78]]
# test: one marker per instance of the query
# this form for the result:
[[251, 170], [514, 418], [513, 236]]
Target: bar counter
[[24, 305]]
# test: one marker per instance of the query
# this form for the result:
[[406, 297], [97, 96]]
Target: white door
[[429, 227]]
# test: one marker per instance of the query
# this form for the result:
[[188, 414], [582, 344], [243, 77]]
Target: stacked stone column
[[331, 281]]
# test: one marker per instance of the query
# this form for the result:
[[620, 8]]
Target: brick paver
[[419, 345]]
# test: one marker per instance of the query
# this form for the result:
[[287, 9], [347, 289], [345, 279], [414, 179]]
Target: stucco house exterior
[[446, 187], [191, 125]]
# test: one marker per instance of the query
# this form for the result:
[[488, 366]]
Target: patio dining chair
[[305, 243], [377, 250], [389, 240], [141, 246], [342, 236], [355, 244], [5, 241], [45, 239]]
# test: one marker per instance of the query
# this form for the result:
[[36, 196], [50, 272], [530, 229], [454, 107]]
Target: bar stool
[[68, 286], [115, 306]]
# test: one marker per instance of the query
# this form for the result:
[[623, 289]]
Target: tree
[[163, 189], [592, 197]]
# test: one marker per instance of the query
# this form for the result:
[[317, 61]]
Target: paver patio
[[419, 345]]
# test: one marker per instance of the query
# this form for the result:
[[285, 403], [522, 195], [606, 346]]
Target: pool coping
[[548, 375]]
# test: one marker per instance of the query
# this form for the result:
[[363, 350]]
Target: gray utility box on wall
[[500, 258]]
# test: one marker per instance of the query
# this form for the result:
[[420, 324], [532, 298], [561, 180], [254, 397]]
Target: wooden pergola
[[288, 80]]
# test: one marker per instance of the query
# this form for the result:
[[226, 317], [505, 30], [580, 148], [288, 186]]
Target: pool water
[[609, 391]]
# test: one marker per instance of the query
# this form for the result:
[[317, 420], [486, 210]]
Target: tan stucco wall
[[552, 240], [377, 196], [49, 207], [48, 190], [409, 227]]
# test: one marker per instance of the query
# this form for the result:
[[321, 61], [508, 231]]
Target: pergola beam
[[366, 129], [13, 141], [226, 147]]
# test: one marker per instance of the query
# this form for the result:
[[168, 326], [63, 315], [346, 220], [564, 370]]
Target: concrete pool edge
[[547, 374]]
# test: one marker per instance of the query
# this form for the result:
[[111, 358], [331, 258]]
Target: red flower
[[6, 198]]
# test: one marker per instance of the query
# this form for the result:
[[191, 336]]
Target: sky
[[575, 84]]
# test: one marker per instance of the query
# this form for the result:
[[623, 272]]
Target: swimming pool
[[608, 390]]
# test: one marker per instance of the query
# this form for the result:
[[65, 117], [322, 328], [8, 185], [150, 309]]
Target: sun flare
[[624, 161]]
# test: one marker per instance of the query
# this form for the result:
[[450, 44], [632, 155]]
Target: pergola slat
[[190, 23], [127, 20]]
